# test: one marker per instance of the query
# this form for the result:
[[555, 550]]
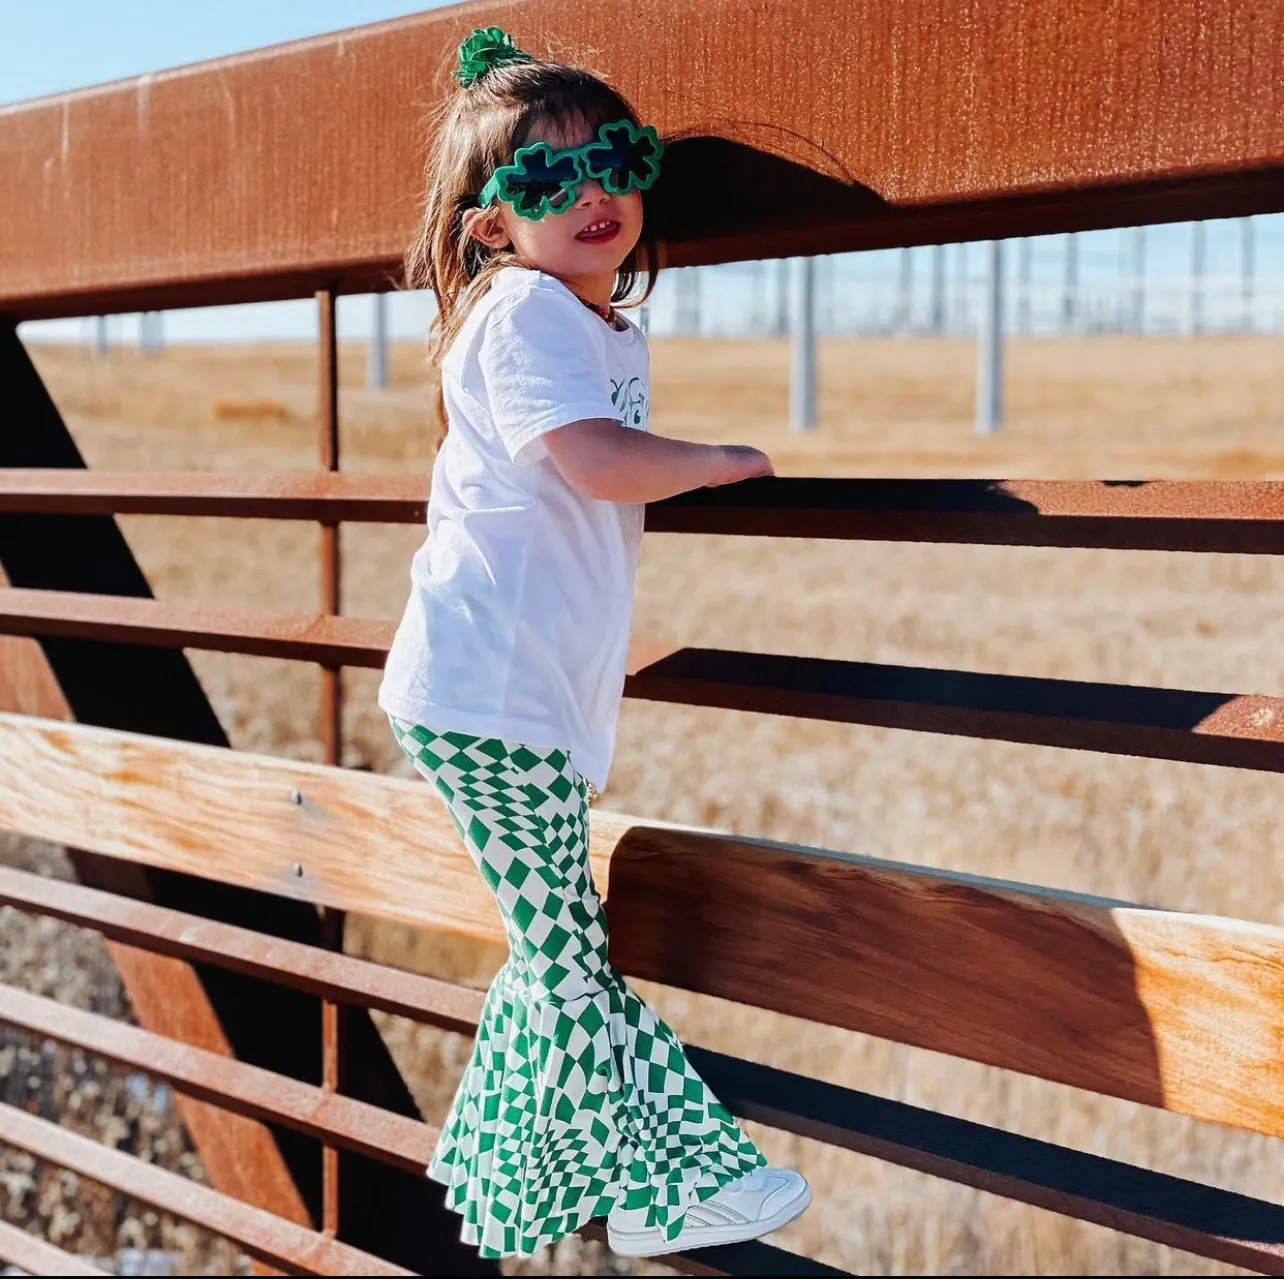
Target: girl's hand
[[741, 462]]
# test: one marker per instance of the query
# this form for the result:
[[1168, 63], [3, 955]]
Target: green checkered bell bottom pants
[[577, 1096]]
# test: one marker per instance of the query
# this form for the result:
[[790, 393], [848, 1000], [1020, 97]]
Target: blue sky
[[48, 46]]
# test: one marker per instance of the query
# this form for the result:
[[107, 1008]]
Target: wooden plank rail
[[1231, 729], [274, 1240], [1171, 515], [37, 1257], [1202, 1219], [1179, 1011]]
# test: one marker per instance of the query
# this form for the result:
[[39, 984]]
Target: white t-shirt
[[521, 599]]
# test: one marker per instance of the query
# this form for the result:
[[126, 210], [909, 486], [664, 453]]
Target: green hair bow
[[483, 51]]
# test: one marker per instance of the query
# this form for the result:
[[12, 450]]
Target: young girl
[[504, 681]]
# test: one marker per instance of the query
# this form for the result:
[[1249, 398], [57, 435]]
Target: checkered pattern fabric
[[577, 1097]]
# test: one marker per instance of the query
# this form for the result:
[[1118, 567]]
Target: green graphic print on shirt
[[630, 400]]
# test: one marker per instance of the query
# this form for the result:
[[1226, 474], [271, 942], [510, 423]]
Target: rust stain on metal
[[833, 123]]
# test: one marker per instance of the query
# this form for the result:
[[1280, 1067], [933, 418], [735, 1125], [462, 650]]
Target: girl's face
[[584, 244]]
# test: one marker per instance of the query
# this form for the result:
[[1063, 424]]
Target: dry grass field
[[1181, 836]]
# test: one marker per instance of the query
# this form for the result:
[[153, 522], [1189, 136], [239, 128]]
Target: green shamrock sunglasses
[[540, 181]]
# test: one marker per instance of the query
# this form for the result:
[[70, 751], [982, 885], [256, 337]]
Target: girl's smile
[[599, 231]]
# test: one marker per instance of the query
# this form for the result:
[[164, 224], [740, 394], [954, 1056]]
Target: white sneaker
[[757, 1204]]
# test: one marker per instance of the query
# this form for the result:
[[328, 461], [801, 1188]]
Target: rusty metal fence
[[221, 881]]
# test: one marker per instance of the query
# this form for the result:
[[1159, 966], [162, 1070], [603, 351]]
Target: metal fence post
[[377, 353], [989, 365], [802, 375]]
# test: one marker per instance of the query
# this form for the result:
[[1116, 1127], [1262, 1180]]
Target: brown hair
[[483, 126]]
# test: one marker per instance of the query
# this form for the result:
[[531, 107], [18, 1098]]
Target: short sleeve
[[542, 367]]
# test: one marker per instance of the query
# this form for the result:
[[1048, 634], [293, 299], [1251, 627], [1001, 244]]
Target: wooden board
[[794, 126], [1184, 1012]]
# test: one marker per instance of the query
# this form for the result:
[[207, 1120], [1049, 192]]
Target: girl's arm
[[615, 463]]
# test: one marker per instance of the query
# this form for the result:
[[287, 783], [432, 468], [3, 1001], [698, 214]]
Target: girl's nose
[[591, 192]]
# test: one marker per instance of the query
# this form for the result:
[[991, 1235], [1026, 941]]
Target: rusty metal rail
[[1160, 515], [37, 1257], [235, 1085], [309, 637], [302, 495], [1204, 1220], [1201, 1219], [1231, 729], [1244, 517], [242, 950], [1054, 119], [1240, 731], [280, 1243]]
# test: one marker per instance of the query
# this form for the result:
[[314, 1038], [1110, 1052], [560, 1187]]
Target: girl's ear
[[485, 226]]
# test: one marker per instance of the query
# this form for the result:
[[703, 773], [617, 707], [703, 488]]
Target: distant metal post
[[1139, 279], [377, 353], [802, 377], [688, 302], [962, 287], [782, 297], [758, 286], [1025, 254], [1198, 254], [150, 339], [1070, 285], [989, 357], [904, 292], [1247, 266], [100, 336], [938, 289], [823, 299]]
